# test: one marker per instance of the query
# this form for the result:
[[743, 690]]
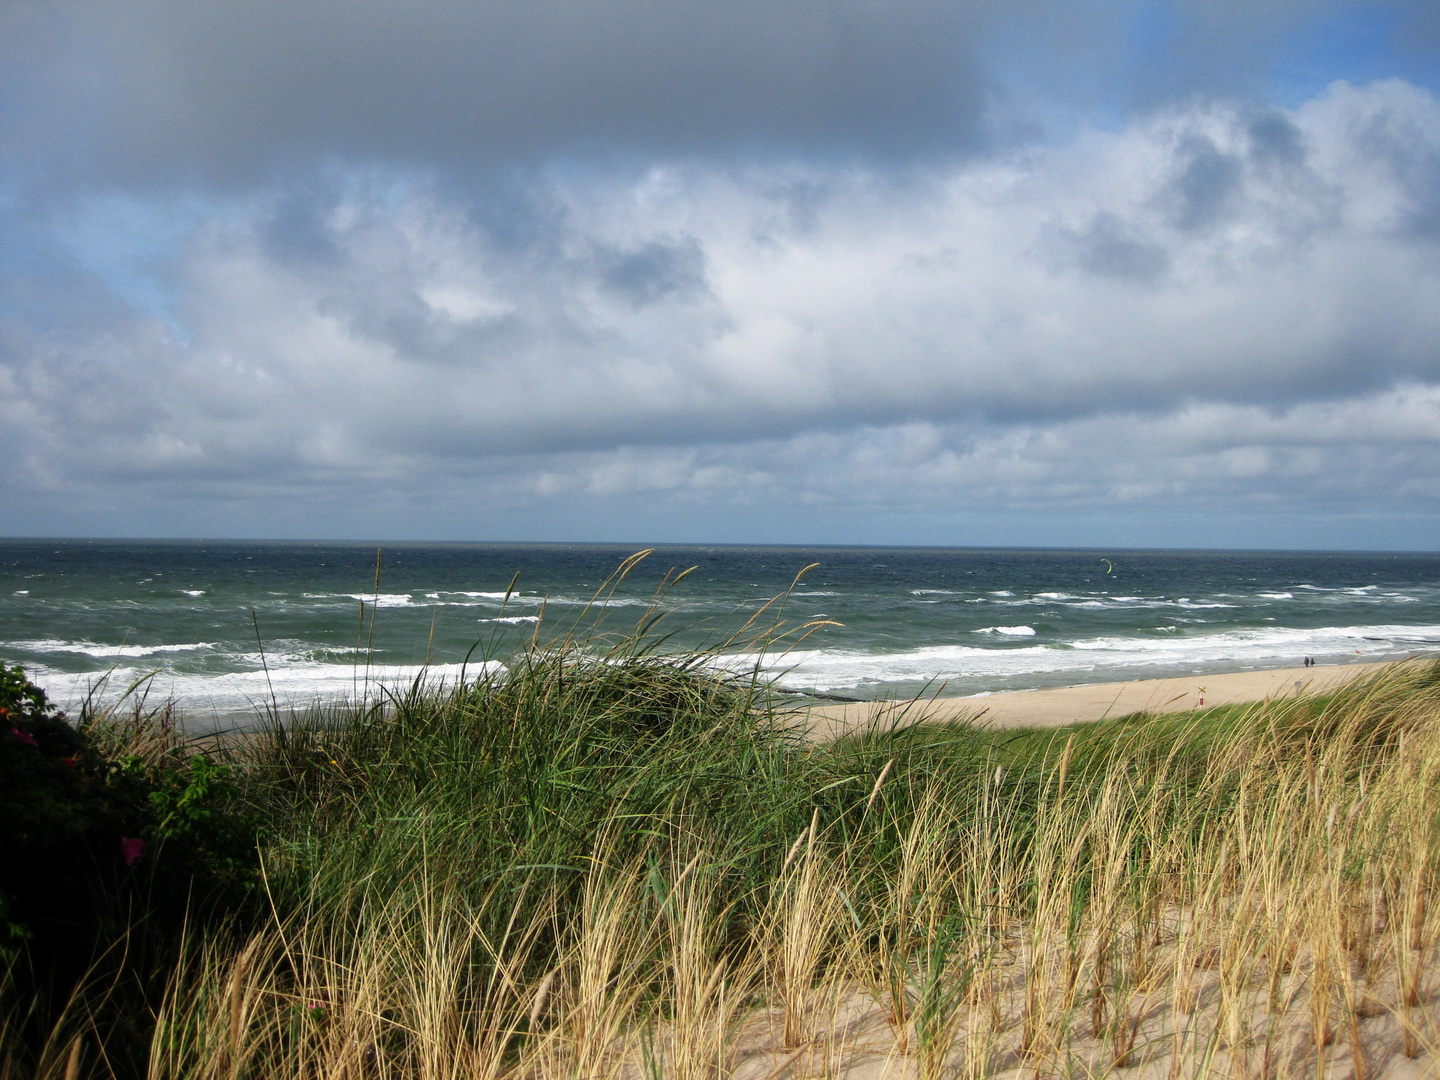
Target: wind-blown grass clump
[[615, 863]]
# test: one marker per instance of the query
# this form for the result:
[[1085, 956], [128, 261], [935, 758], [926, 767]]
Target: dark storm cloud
[[1208, 180], [162, 91], [147, 91], [656, 270], [1275, 138], [295, 231], [1109, 248]]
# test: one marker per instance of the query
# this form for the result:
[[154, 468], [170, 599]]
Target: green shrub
[[98, 839]]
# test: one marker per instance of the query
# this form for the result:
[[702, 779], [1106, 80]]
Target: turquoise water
[[186, 614]]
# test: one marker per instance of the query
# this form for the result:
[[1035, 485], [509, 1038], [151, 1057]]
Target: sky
[[1076, 273]]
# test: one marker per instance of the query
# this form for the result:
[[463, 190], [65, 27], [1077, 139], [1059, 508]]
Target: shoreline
[[1039, 708], [1084, 702]]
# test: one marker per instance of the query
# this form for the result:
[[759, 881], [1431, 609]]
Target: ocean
[[228, 627]]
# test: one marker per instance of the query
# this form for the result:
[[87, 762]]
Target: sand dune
[[1096, 701]]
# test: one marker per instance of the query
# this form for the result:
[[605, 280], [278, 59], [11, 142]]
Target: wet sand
[[1073, 704]]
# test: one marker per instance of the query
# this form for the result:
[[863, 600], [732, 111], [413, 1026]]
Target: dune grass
[[599, 861]]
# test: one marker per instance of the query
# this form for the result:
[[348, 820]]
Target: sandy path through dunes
[[1096, 701]]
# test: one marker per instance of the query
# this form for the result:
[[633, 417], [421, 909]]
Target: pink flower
[[131, 847], [24, 736]]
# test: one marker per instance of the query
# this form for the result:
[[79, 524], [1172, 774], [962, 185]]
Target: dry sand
[[1073, 704]]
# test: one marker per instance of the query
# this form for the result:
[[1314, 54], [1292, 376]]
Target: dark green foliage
[[39, 768], [198, 827], [51, 817], [107, 844], [90, 830]]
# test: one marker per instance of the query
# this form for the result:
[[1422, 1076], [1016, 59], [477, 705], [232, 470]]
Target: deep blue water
[[972, 620]]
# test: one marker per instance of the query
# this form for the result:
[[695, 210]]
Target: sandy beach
[[1063, 705]]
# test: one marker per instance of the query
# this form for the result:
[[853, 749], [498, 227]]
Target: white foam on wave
[[511, 620], [383, 599], [1102, 602], [1276, 595], [193, 592], [443, 598], [1007, 631], [473, 598], [603, 602], [1370, 594], [240, 696], [105, 652], [1098, 659]]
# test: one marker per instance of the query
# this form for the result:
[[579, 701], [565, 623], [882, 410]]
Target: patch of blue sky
[[1096, 64], [1058, 72], [25, 257], [1154, 28], [1358, 43], [131, 246]]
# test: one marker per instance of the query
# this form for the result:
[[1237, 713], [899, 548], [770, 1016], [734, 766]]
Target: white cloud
[[1331, 453], [1214, 303]]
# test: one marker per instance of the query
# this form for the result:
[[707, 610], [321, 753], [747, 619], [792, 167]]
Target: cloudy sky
[[1097, 272]]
